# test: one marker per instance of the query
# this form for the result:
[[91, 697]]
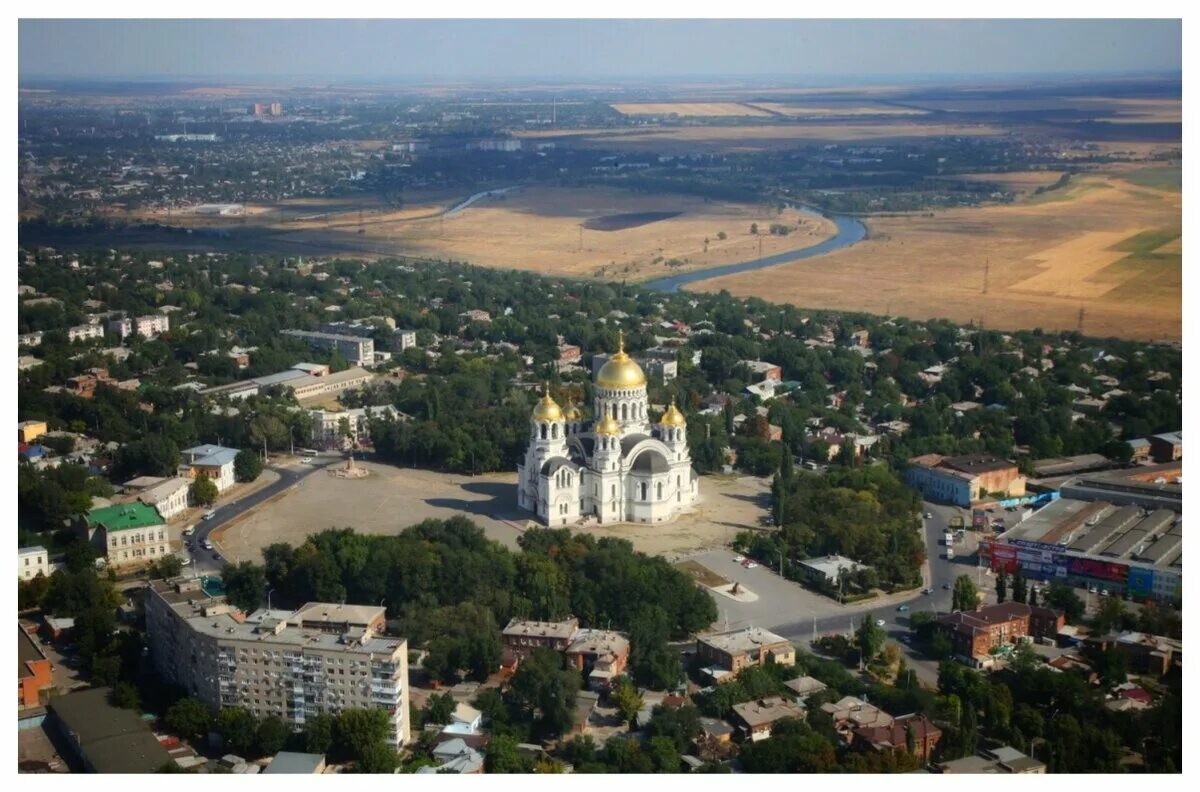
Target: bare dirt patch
[[702, 574], [936, 265], [391, 499]]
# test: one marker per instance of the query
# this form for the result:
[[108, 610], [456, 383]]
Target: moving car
[[928, 515], [191, 529], [880, 622], [185, 562], [208, 515], [739, 558], [208, 545], [750, 564], [306, 460], [946, 586], [926, 591], [902, 608]]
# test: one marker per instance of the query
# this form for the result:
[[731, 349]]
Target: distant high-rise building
[[258, 109], [276, 109]]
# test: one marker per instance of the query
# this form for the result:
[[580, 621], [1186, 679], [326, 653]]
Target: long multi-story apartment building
[[358, 350], [291, 665], [147, 326]]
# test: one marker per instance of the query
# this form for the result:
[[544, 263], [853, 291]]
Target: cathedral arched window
[[624, 412], [554, 430], [543, 431], [660, 490], [644, 490]]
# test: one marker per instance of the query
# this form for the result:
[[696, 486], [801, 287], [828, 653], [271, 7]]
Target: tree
[[439, 709], [270, 737], [1062, 597], [245, 584], [546, 691], [754, 228], [237, 727], [1001, 586], [377, 757], [355, 730], [625, 696], [1110, 615], [1020, 586], [318, 734], [189, 718], [247, 466], [167, 567], [1032, 597], [203, 491], [871, 638], [965, 596], [125, 696], [501, 756]]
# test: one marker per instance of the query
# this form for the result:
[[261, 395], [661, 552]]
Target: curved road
[[210, 562], [849, 231]]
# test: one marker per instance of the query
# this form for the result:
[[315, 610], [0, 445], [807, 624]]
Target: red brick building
[[975, 633], [34, 672], [895, 736]]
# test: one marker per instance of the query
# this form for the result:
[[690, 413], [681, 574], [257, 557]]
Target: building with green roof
[[128, 534]]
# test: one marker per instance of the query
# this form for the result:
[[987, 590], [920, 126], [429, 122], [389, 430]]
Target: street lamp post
[[269, 593]]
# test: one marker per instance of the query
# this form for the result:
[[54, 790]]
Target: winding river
[[849, 230]]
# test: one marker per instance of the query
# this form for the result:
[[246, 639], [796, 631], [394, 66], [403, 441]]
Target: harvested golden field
[[691, 109], [760, 137], [1103, 244], [542, 229], [1018, 181], [842, 109]]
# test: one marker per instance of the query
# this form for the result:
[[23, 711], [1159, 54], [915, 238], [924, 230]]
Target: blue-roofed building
[[210, 461]]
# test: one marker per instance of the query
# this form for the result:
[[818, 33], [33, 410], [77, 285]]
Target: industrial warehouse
[[1118, 532]]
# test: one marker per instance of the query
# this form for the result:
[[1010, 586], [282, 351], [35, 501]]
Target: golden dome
[[621, 371], [608, 426], [572, 412], [547, 409], [673, 417]]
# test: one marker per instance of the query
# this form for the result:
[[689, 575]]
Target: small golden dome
[[547, 409], [621, 371], [673, 417], [572, 412], [608, 426]]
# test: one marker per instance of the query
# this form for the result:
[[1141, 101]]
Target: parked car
[[208, 545], [208, 515], [928, 515], [1103, 592], [927, 591], [902, 608], [946, 586], [306, 460], [739, 558], [191, 529], [750, 564], [880, 622], [185, 562]]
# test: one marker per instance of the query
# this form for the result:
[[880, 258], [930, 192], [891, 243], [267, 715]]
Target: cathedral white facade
[[618, 467]]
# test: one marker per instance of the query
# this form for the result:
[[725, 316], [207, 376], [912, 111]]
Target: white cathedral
[[617, 468]]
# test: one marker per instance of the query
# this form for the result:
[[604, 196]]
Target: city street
[[211, 562]]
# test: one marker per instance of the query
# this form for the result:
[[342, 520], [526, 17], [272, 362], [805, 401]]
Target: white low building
[[169, 497], [32, 561], [332, 427], [211, 461]]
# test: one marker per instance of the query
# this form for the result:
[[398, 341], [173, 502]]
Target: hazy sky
[[463, 49]]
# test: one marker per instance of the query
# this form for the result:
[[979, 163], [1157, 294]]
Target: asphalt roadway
[[211, 562]]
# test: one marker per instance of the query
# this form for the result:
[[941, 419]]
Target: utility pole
[[1079, 325], [987, 265], [581, 237]]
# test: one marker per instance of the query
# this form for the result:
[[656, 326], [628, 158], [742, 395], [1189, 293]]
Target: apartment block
[[726, 654], [146, 326], [358, 350], [271, 663]]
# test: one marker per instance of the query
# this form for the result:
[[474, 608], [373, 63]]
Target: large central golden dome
[[621, 371]]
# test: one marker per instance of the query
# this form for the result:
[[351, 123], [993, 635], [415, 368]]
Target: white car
[[928, 515], [306, 460], [191, 529], [185, 562], [751, 565], [208, 515], [207, 545], [880, 622], [739, 559]]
